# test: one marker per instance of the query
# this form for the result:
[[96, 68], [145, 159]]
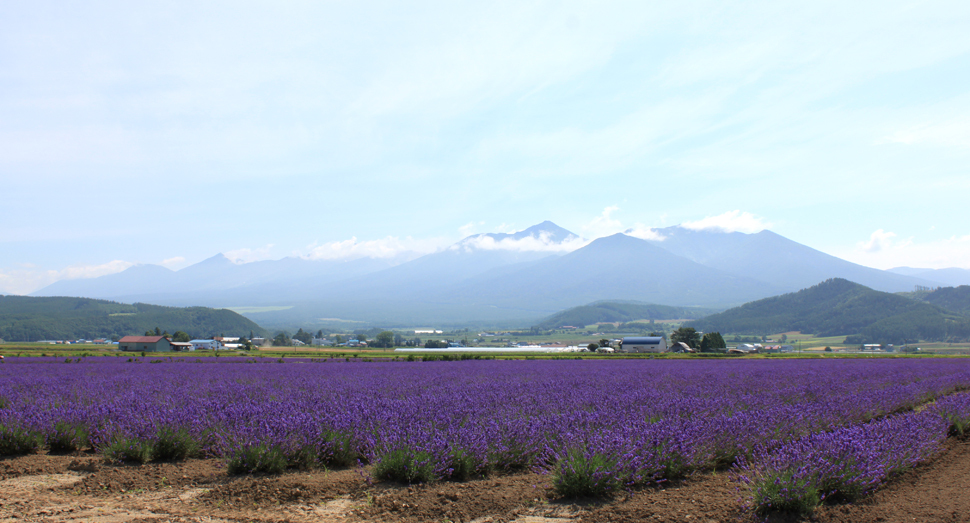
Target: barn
[[644, 344], [145, 343]]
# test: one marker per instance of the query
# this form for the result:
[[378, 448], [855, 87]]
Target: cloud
[[246, 255], [388, 247], [644, 233], [878, 241], [469, 228], [731, 221], [604, 224], [172, 262], [952, 133], [27, 280], [532, 243], [884, 251]]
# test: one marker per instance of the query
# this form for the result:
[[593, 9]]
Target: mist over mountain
[[496, 278], [951, 276]]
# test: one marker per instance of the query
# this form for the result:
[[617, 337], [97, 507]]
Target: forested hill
[[955, 299], [622, 311], [839, 307], [24, 318]]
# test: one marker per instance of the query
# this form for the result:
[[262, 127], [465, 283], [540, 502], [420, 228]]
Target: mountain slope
[[617, 267], [774, 259], [618, 311], [952, 276], [24, 318], [840, 307], [133, 280]]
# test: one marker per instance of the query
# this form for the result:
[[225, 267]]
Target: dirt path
[[64, 489]]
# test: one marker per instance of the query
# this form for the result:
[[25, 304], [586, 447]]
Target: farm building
[[644, 344], [206, 344], [145, 343], [681, 347], [182, 346]]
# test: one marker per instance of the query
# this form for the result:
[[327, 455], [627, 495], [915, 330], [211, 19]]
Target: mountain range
[[497, 278]]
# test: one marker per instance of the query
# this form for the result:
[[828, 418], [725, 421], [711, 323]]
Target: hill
[[618, 311], [954, 299], [840, 307], [24, 318]]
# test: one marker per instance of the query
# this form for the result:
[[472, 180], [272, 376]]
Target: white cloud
[[173, 262], [388, 247], [604, 224], [532, 243], [469, 228], [27, 280], [878, 241], [246, 255], [953, 133], [731, 221], [644, 233], [883, 251]]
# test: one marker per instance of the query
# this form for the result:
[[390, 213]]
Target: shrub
[[463, 465], [67, 437], [16, 441], [124, 449], [406, 466], [583, 474], [174, 445], [302, 458], [257, 459], [338, 449]]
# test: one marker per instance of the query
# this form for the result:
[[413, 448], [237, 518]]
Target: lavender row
[[850, 462], [621, 422]]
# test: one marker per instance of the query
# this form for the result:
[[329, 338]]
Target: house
[[182, 346], [206, 344], [644, 344], [145, 343], [680, 347]]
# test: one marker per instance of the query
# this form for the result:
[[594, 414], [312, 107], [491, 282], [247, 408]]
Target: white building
[[644, 344], [206, 344]]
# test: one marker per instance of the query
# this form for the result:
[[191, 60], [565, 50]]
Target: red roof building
[[145, 343]]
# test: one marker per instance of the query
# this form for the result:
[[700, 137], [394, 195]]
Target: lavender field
[[795, 431]]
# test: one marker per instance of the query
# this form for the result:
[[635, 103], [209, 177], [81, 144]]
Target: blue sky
[[165, 133]]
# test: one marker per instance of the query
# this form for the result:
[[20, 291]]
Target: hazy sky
[[166, 132]]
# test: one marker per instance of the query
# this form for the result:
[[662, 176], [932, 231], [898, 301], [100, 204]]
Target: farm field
[[507, 439]]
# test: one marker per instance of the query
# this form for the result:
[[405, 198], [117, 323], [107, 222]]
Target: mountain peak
[[545, 236]]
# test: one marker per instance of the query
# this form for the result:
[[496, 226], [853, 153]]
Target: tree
[[784, 338], [384, 339], [181, 337], [303, 336], [687, 335], [281, 340], [592, 347], [712, 342], [158, 332]]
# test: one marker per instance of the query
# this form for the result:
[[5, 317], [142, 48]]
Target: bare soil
[[57, 488]]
